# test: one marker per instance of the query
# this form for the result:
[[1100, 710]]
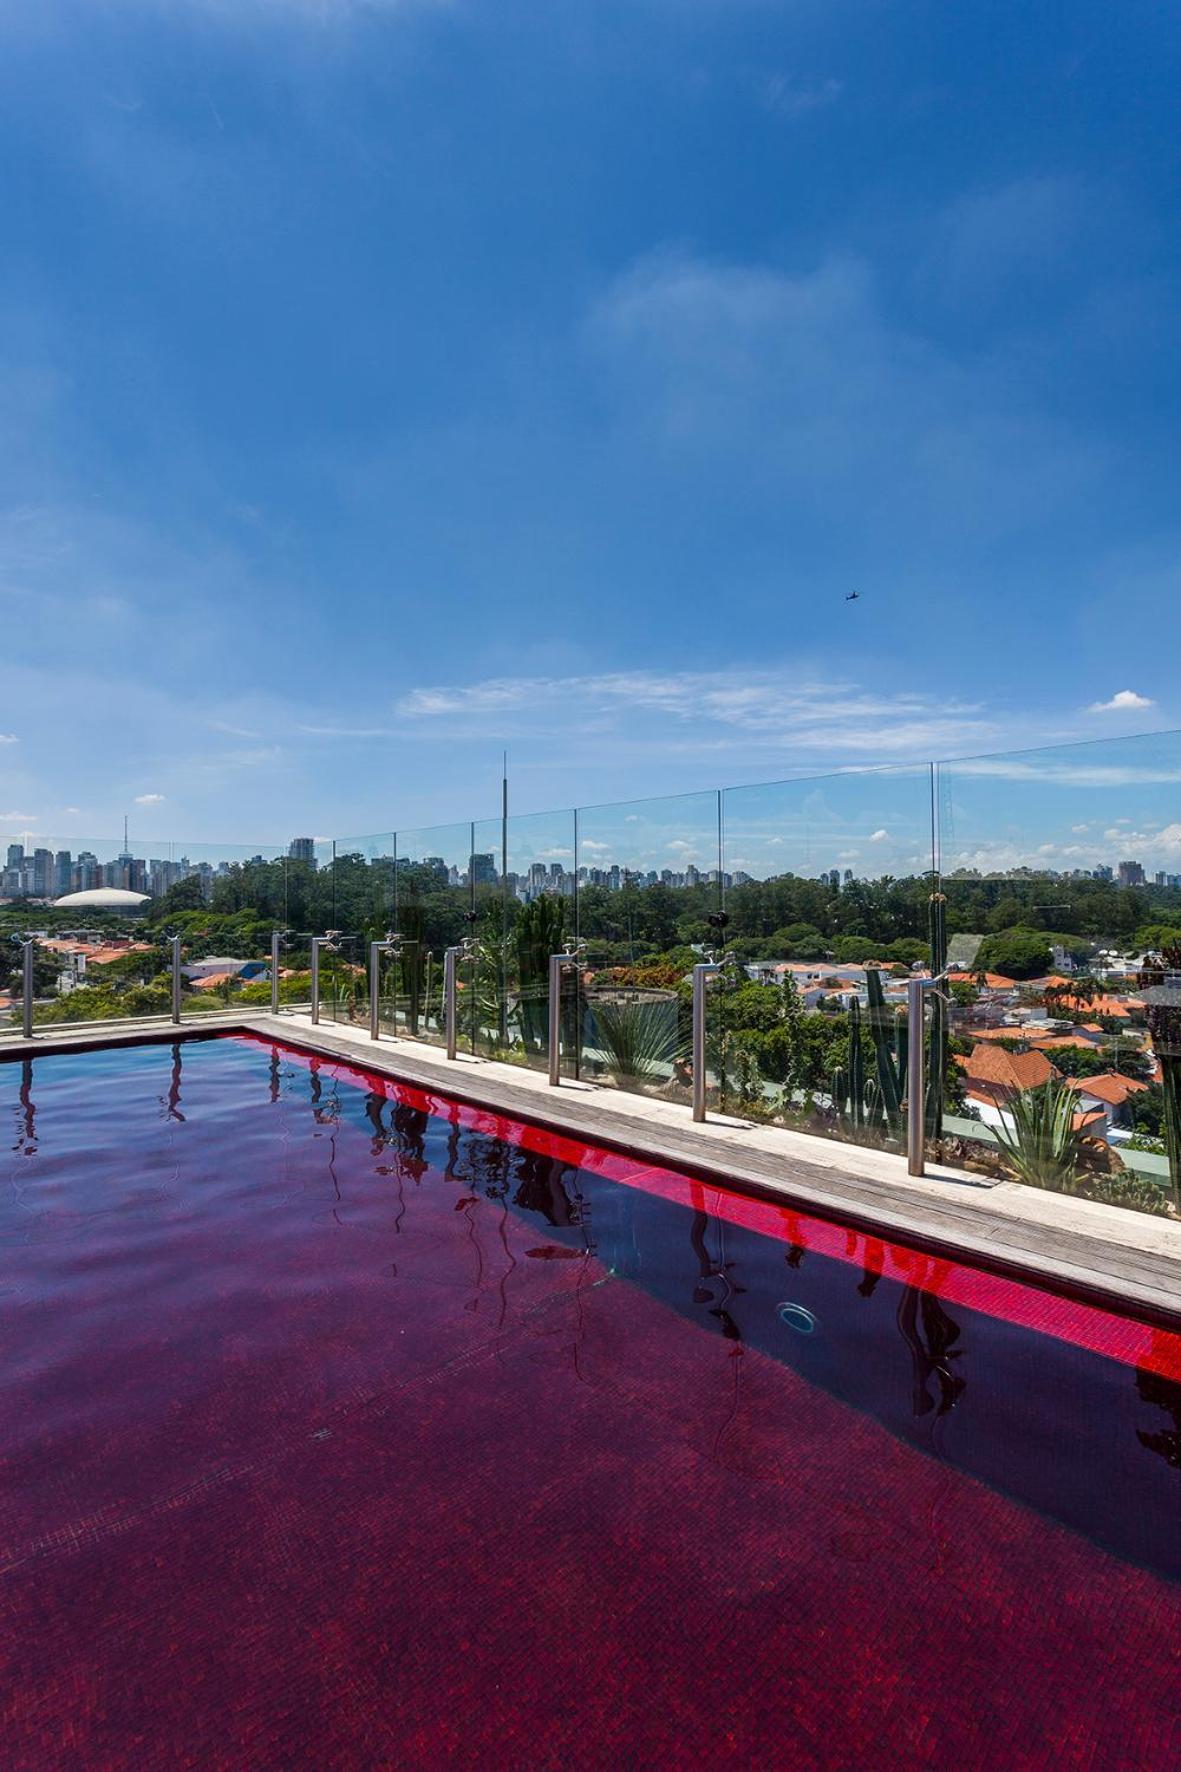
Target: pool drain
[[798, 1318]]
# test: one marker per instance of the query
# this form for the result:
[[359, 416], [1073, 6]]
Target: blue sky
[[382, 385]]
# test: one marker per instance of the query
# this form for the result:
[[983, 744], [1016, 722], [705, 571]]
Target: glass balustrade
[[1061, 878], [650, 902], [831, 903], [1046, 885], [433, 912]]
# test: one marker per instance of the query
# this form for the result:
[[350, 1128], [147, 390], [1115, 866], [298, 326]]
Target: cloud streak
[[779, 709]]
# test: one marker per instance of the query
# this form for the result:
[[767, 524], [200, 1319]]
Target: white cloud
[[18, 818], [880, 837], [149, 799], [1121, 702], [780, 708]]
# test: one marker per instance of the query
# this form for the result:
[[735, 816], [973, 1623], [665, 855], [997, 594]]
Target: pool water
[[342, 1425]]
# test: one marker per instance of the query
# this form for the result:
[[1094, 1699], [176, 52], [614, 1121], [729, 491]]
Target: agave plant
[[1043, 1148], [641, 1039]]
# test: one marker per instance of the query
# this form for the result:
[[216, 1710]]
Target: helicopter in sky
[[853, 597]]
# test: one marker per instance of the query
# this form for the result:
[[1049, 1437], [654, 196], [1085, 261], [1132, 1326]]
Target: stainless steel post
[[275, 939], [317, 941], [175, 945], [27, 949], [391, 944], [917, 991], [701, 972], [375, 948], [450, 958], [916, 1073], [556, 963]]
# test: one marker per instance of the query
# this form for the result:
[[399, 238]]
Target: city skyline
[[45, 873]]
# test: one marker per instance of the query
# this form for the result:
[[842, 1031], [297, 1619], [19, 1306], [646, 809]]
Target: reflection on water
[[1165, 1395], [1062, 1429]]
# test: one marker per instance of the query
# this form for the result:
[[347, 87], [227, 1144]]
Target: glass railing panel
[[633, 1026], [433, 907], [650, 898], [832, 907], [649, 877], [363, 884], [409, 999], [493, 1009], [1061, 874], [344, 982], [540, 914], [224, 904]]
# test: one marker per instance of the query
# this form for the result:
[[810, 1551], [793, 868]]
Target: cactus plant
[[536, 935], [1160, 980], [868, 1101]]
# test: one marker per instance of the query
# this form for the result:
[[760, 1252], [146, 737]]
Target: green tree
[[1015, 953], [183, 895]]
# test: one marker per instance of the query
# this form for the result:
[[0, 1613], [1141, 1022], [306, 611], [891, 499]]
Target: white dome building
[[102, 898]]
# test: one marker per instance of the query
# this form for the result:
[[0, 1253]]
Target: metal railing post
[[701, 972], [391, 943], [450, 1017], [27, 949], [917, 992], [916, 1074], [375, 948], [275, 939], [316, 942], [175, 945], [556, 962]]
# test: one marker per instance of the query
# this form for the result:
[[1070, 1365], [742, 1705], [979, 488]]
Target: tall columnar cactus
[[537, 935], [1161, 979], [938, 1049], [412, 962], [869, 1099], [890, 1055]]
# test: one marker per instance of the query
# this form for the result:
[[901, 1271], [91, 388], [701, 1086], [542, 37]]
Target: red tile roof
[[1108, 1086], [1014, 1071]]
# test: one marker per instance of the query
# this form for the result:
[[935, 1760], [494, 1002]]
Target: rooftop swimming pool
[[344, 1425]]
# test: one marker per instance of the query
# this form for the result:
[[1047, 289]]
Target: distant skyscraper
[[483, 870], [302, 849], [1131, 873]]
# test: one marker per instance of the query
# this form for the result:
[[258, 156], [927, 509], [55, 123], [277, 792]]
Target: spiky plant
[[1043, 1148], [641, 1039]]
